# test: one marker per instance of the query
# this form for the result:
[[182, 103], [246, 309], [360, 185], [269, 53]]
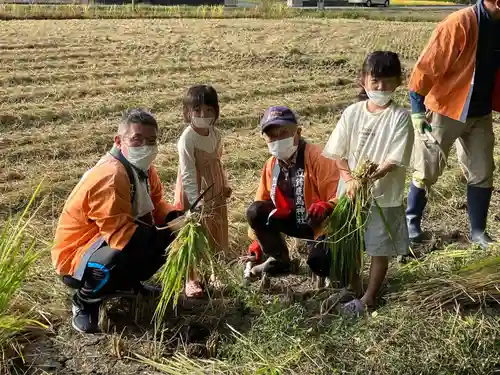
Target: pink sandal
[[193, 289]]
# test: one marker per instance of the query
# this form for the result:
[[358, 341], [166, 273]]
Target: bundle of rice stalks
[[345, 227], [473, 285], [188, 254]]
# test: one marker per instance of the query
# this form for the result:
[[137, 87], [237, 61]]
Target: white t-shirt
[[379, 137]]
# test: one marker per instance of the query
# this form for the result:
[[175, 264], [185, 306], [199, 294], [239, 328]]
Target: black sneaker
[[85, 316]]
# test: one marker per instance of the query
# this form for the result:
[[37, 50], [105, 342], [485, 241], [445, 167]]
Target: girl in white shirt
[[200, 151], [378, 130]]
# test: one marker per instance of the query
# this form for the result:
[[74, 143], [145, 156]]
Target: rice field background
[[268, 9], [63, 84]]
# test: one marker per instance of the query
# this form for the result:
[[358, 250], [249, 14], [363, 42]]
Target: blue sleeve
[[417, 102]]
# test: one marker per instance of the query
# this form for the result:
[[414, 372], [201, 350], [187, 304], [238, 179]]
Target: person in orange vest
[[296, 193], [454, 88], [107, 239]]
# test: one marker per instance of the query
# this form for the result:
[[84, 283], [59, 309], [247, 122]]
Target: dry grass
[[62, 86], [267, 9]]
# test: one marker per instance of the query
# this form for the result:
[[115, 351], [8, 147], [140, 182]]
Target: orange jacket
[[321, 178], [444, 71], [100, 205]]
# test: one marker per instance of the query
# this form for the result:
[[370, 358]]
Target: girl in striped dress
[[200, 150]]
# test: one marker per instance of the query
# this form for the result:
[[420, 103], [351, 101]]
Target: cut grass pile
[[63, 84], [473, 285]]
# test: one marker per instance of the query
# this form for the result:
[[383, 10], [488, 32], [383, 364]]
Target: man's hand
[[227, 191], [318, 212], [420, 123], [353, 186], [255, 250]]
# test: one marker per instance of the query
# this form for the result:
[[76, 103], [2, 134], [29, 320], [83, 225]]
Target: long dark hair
[[379, 64], [197, 96]]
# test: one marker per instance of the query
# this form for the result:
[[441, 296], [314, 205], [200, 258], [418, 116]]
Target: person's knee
[[106, 256], [482, 178], [258, 212], [485, 182]]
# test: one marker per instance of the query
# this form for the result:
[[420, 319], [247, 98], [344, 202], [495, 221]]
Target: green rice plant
[[190, 252], [345, 228], [17, 255]]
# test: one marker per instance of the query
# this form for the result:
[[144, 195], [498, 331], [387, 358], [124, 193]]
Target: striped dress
[[199, 166]]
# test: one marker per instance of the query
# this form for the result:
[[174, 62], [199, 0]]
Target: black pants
[[268, 233], [110, 270]]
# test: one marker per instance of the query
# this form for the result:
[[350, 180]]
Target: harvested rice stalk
[[473, 285], [189, 252], [345, 228]]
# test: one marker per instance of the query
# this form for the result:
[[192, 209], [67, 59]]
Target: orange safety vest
[[100, 207], [320, 180], [444, 72]]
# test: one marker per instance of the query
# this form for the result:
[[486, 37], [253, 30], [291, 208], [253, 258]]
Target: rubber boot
[[478, 203], [417, 201]]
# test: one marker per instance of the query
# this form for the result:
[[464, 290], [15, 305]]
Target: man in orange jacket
[[454, 88], [297, 192], [107, 238]]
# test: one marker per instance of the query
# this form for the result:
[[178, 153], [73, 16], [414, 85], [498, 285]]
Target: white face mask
[[380, 98], [202, 122], [282, 149], [142, 157]]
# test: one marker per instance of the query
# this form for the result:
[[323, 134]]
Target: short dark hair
[[137, 116], [200, 95], [380, 64]]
